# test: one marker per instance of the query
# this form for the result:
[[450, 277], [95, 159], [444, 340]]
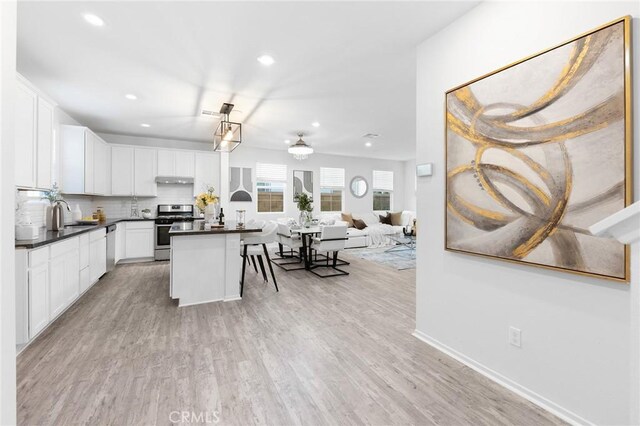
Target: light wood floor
[[333, 351]]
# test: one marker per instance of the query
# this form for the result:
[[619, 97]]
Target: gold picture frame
[[531, 202]]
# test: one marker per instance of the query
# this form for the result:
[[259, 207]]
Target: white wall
[[410, 185], [245, 156], [7, 191], [576, 331]]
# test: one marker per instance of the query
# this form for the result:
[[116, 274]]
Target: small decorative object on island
[[206, 202], [54, 217], [305, 207], [538, 151], [240, 215]]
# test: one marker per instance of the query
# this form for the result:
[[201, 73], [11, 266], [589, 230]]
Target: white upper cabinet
[[34, 137], [101, 167], [205, 172], [72, 159], [145, 172], [44, 145], [185, 163], [85, 162], [166, 162], [25, 136], [176, 163], [89, 155], [121, 170]]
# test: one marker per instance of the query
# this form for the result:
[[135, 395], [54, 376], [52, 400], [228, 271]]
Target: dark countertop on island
[[197, 228], [49, 237]]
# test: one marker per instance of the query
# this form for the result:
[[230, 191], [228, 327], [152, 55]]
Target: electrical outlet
[[515, 337]]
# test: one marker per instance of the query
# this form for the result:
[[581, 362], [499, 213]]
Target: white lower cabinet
[[97, 254], [57, 299], [38, 299], [54, 276], [139, 240], [64, 279], [120, 241]]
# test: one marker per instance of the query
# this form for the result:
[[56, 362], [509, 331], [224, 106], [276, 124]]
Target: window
[[382, 190], [270, 184], [331, 189]]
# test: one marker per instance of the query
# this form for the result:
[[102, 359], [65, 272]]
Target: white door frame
[[8, 21]]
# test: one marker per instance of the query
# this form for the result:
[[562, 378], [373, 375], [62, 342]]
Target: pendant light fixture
[[228, 135], [300, 150]]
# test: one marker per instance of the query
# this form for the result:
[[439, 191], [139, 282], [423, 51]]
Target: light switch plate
[[425, 169], [515, 337]]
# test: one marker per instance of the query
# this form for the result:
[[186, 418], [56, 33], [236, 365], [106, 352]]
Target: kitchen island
[[205, 264]]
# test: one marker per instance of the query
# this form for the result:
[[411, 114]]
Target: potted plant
[[306, 208], [146, 213]]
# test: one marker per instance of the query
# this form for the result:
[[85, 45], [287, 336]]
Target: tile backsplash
[[114, 207]]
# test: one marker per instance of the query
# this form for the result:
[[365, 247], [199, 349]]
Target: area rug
[[398, 258]]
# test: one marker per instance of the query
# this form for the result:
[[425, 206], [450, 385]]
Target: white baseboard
[[515, 387]]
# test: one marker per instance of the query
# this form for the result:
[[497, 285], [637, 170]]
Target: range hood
[[182, 180]]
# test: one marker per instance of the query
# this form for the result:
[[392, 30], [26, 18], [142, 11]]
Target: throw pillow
[[359, 223], [396, 218], [385, 219], [347, 217]]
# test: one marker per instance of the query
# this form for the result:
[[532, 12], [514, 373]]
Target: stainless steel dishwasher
[[111, 247]]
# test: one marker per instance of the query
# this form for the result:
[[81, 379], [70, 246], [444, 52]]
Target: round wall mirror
[[359, 187]]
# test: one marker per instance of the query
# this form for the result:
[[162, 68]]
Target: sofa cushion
[[347, 218], [385, 219], [359, 223], [396, 218]]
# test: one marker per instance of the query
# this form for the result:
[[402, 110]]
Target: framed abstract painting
[[538, 151], [302, 183]]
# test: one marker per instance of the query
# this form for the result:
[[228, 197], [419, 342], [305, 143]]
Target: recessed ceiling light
[[93, 19], [145, 125], [368, 144], [287, 141], [315, 124], [131, 96], [266, 60]]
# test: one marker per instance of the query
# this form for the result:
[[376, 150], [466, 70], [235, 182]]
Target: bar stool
[[256, 245]]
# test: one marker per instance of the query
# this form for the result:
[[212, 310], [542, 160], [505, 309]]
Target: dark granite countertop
[[197, 228], [48, 237]]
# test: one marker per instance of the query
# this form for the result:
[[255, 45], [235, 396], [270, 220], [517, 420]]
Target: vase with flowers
[[207, 202], [305, 207]]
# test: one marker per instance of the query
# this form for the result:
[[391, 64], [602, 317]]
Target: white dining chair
[[332, 240], [293, 244]]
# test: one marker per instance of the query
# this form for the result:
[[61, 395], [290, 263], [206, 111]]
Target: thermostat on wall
[[424, 169]]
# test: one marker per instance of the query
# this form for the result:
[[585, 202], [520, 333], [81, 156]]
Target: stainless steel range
[[167, 215]]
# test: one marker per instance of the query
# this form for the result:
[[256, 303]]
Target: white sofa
[[361, 237]]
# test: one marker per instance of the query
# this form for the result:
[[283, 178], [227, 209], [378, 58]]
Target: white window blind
[[271, 172], [331, 177], [383, 180]]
